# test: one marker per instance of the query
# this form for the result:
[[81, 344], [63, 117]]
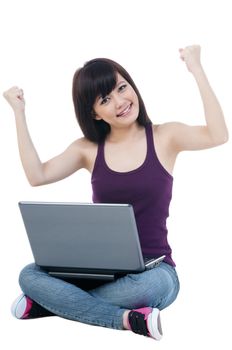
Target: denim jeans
[[105, 304]]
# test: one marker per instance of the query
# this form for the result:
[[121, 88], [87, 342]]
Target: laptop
[[84, 240]]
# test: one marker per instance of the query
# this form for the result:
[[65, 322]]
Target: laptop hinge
[[79, 275]]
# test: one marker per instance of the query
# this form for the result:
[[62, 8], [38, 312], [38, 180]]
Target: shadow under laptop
[[85, 284]]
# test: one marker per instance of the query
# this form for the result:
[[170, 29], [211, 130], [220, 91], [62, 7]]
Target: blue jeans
[[105, 304]]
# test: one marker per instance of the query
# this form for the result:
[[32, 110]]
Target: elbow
[[35, 177], [221, 139], [225, 138], [35, 182]]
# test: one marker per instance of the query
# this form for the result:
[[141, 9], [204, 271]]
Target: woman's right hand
[[15, 98]]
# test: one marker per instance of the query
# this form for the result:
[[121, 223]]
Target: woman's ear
[[95, 116]]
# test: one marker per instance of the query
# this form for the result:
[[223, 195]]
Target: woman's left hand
[[191, 56]]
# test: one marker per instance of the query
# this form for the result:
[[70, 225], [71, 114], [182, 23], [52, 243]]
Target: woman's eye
[[104, 100], [122, 87]]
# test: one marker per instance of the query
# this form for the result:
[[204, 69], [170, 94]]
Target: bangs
[[100, 80]]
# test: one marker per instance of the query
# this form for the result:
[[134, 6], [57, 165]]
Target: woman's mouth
[[125, 111]]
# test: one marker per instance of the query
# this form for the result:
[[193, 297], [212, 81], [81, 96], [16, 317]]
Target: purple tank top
[[148, 189]]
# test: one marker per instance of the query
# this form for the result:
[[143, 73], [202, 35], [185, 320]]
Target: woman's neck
[[124, 134]]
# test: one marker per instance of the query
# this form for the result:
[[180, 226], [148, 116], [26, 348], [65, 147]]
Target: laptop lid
[[83, 238]]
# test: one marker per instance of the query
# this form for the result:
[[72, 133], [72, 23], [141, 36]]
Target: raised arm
[[39, 173], [214, 132]]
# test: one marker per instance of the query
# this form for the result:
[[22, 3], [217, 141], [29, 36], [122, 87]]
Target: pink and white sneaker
[[146, 321], [24, 308]]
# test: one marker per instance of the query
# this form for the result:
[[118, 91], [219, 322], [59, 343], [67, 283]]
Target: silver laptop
[[84, 240]]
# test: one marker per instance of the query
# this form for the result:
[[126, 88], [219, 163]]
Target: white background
[[42, 43]]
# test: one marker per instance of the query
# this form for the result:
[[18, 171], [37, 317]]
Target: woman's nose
[[118, 101]]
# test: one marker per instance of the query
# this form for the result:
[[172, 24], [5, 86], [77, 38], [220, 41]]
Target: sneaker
[[146, 321], [24, 308]]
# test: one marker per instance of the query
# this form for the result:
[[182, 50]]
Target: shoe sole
[[154, 324], [19, 306]]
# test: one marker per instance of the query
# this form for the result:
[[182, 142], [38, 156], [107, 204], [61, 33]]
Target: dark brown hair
[[98, 78]]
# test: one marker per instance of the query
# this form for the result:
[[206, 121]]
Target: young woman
[[131, 161]]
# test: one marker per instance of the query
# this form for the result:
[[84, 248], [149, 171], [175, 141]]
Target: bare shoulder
[[83, 144], [165, 151], [88, 151], [167, 129], [168, 133], [163, 133]]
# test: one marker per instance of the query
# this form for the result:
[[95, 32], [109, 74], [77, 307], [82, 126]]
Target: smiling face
[[120, 107], [105, 99]]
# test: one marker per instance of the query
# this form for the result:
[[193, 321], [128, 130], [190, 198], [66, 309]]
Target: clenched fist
[[191, 56], [15, 98]]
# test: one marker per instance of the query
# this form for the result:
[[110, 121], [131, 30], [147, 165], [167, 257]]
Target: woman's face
[[120, 107]]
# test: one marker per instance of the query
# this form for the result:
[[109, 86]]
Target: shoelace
[[138, 323]]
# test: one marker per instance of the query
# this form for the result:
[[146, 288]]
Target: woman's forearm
[[213, 112], [30, 160], [216, 126]]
